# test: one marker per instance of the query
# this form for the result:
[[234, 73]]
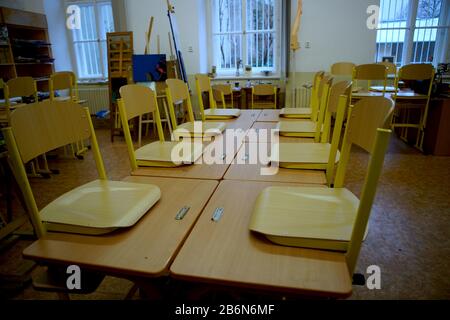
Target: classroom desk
[[227, 253], [241, 170], [269, 116], [257, 136], [144, 250]]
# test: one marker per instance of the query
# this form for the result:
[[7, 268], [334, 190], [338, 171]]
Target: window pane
[[88, 30], [425, 35], [228, 50], [88, 60], [260, 15], [261, 50], [392, 29], [106, 23], [228, 16]]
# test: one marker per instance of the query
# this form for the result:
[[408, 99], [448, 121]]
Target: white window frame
[[101, 42], [442, 33], [276, 72]]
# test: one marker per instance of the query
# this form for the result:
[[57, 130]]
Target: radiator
[[97, 97], [302, 97]]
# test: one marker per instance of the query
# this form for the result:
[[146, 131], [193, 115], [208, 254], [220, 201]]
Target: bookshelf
[[25, 49]]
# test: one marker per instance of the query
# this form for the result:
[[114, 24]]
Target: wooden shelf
[[28, 37]]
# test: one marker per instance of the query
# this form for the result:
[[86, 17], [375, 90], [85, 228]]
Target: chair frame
[[369, 74], [153, 107], [17, 161], [424, 111], [265, 86]]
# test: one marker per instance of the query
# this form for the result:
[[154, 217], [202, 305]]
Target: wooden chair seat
[[218, 114], [199, 129], [313, 156], [296, 113], [159, 154], [324, 220], [100, 207], [306, 129]]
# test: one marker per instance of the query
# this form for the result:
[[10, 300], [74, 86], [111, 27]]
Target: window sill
[[247, 77]]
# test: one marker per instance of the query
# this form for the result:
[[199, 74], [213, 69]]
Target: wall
[[56, 19], [337, 31]]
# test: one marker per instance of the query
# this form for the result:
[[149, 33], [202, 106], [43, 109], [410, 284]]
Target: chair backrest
[[41, 127], [203, 84], [366, 127], [372, 71], [420, 71], [364, 118], [21, 87], [341, 88], [315, 110], [264, 90], [342, 69], [63, 80], [177, 92], [314, 90], [219, 93], [324, 89]]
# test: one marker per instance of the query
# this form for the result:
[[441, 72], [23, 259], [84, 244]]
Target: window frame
[[101, 43], [410, 29], [276, 72]]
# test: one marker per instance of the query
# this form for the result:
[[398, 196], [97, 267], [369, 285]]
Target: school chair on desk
[[178, 93], [96, 208], [323, 155], [312, 111], [137, 100], [203, 84], [308, 128], [331, 218]]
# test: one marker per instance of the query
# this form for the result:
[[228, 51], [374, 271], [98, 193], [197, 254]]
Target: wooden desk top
[[269, 116], [227, 253], [241, 170], [256, 136], [146, 249]]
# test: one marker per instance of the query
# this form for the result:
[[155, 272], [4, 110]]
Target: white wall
[[56, 19], [337, 31], [27, 5], [191, 27]]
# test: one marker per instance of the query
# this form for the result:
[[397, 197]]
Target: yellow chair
[[342, 69], [330, 218], [391, 74], [64, 80], [220, 91], [308, 128], [369, 72], [203, 84], [306, 113], [319, 156], [137, 100], [264, 90], [408, 100], [14, 90], [178, 93], [98, 207]]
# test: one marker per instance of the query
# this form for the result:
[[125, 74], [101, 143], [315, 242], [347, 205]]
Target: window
[[413, 31], [246, 33], [89, 42]]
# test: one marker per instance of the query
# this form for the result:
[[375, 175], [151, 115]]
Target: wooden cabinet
[[437, 134], [25, 49]]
